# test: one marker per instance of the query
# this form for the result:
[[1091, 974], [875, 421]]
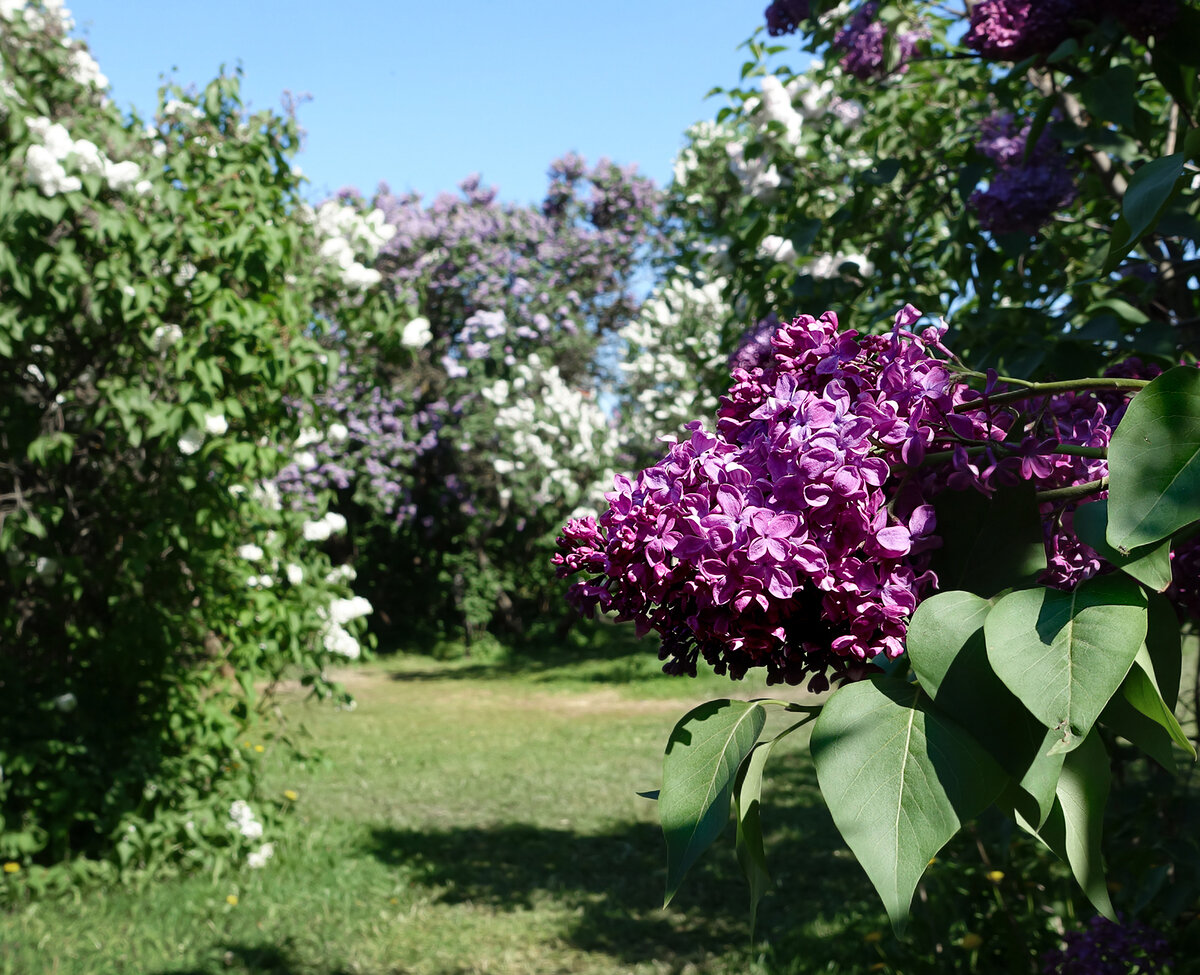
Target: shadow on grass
[[260, 959], [610, 884], [594, 651]]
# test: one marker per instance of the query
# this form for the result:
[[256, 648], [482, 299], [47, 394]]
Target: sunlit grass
[[473, 816]]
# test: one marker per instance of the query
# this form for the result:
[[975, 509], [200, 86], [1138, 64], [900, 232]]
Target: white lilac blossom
[[344, 235], [121, 176], [250, 552], [243, 820], [775, 248], [294, 573], [828, 266], [216, 424], [342, 611], [776, 106], [165, 336], [65, 702], [673, 361], [338, 640], [257, 859], [331, 524], [759, 176], [85, 70], [416, 334], [191, 441]]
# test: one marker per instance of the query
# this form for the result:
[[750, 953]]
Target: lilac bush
[[469, 396], [797, 537]]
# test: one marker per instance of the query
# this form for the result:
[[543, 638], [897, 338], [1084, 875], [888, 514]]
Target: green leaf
[[1074, 828], [1111, 95], [1148, 564], [1154, 462], [1140, 689], [1164, 642], [1064, 654], [747, 797], [704, 752], [989, 544], [1122, 718], [1145, 199], [899, 779], [949, 655]]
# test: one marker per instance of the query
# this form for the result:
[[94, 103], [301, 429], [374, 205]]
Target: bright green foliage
[[699, 770], [899, 779], [155, 319], [1155, 460], [1064, 654]]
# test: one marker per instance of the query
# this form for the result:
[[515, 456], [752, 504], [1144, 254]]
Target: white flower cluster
[[321, 529], [828, 266], [417, 333], [44, 162], [243, 821], [345, 234], [193, 438], [51, 15], [551, 429], [672, 353], [336, 637], [775, 248]]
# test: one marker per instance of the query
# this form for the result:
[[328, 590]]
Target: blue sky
[[421, 94]]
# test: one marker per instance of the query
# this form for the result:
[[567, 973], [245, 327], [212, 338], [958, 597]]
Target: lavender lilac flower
[[1014, 29], [785, 16], [863, 41], [1022, 193], [785, 539], [1105, 948], [797, 536]]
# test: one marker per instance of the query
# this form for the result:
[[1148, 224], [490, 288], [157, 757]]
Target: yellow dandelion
[[231, 900], [393, 900], [995, 876], [971, 941], [245, 744], [291, 795], [12, 867], [873, 937], [259, 749]]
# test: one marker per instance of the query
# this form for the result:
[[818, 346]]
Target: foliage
[[978, 559], [820, 189], [156, 293]]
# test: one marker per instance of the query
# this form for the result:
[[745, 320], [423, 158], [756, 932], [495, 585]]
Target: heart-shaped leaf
[[899, 779], [1149, 565], [1064, 654], [946, 647]]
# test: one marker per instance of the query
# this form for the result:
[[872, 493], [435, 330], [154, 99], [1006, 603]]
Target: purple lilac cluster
[[501, 280], [1023, 193], [386, 438], [1014, 29], [1105, 948], [863, 41], [754, 349], [785, 16], [789, 538], [797, 536]]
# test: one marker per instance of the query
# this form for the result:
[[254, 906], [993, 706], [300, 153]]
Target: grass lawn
[[482, 817]]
